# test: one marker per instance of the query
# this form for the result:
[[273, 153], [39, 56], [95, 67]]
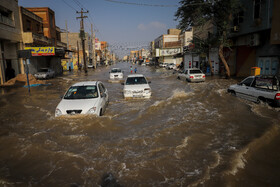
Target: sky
[[124, 24]]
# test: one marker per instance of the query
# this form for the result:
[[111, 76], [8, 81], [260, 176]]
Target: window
[[135, 80], [81, 92], [238, 18], [257, 9], [247, 81], [28, 25]]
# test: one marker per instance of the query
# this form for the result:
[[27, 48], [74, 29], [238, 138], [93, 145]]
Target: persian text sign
[[169, 52], [41, 51]]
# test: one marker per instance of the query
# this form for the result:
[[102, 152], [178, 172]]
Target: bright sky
[[122, 23]]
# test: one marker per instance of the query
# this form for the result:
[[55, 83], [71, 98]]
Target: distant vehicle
[[192, 75], [45, 73], [116, 73], [136, 86], [257, 89], [89, 97], [90, 66], [171, 66]]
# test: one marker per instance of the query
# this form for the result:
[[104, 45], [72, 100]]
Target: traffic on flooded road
[[185, 134]]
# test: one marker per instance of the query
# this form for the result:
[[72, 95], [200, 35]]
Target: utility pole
[[78, 55], [82, 35], [93, 49]]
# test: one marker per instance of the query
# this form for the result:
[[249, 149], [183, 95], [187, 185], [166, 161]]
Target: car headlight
[[147, 90], [57, 112], [92, 110]]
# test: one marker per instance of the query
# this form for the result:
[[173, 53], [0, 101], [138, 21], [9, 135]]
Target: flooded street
[[187, 134]]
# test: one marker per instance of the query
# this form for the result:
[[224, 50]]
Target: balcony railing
[[7, 21], [172, 44], [61, 44], [29, 37]]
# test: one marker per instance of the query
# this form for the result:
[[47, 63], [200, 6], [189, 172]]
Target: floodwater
[[187, 134]]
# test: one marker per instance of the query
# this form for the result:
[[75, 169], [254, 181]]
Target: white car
[[45, 73], [89, 97], [192, 75], [116, 73], [136, 86], [171, 66], [257, 89]]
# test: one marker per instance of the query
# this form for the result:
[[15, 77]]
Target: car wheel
[[178, 78], [233, 93]]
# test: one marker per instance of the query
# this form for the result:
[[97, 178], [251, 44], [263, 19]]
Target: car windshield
[[44, 70], [116, 71], [81, 92], [136, 80], [195, 71]]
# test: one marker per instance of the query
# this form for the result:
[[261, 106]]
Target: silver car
[[45, 73]]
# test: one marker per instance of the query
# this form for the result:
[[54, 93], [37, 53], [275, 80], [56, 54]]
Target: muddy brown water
[[187, 134]]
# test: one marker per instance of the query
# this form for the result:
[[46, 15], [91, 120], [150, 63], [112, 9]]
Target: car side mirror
[[122, 83], [61, 96], [149, 82]]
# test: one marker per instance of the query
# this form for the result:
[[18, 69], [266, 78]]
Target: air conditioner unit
[[236, 28], [254, 39]]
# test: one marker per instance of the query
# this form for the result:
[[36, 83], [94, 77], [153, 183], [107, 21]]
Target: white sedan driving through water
[[136, 86], [116, 73], [89, 97], [192, 75]]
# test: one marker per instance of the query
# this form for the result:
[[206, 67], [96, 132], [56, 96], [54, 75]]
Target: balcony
[[172, 44], [61, 44], [37, 39]]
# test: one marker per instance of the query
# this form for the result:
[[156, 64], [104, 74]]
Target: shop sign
[[170, 52], [41, 51]]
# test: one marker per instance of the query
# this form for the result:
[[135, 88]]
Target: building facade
[[10, 40], [256, 37], [41, 34]]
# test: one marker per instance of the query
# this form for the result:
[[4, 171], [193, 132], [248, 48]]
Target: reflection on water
[[187, 134]]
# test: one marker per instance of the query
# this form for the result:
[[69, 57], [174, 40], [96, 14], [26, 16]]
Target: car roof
[[135, 75], [86, 83], [116, 68], [193, 69]]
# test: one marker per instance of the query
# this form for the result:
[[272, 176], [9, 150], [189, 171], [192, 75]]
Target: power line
[[140, 4], [69, 5]]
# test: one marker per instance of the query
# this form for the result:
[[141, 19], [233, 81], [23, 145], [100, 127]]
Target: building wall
[[48, 17], [245, 59], [249, 23], [10, 37]]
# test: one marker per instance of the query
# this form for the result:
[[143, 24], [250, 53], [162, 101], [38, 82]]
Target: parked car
[[136, 86], [45, 73], [192, 75], [89, 97], [116, 73], [257, 89]]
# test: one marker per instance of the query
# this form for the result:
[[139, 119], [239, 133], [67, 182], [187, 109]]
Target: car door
[[245, 89]]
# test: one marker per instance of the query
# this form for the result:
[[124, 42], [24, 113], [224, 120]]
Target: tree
[[220, 12]]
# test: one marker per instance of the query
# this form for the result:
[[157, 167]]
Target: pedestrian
[[131, 69], [135, 70]]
